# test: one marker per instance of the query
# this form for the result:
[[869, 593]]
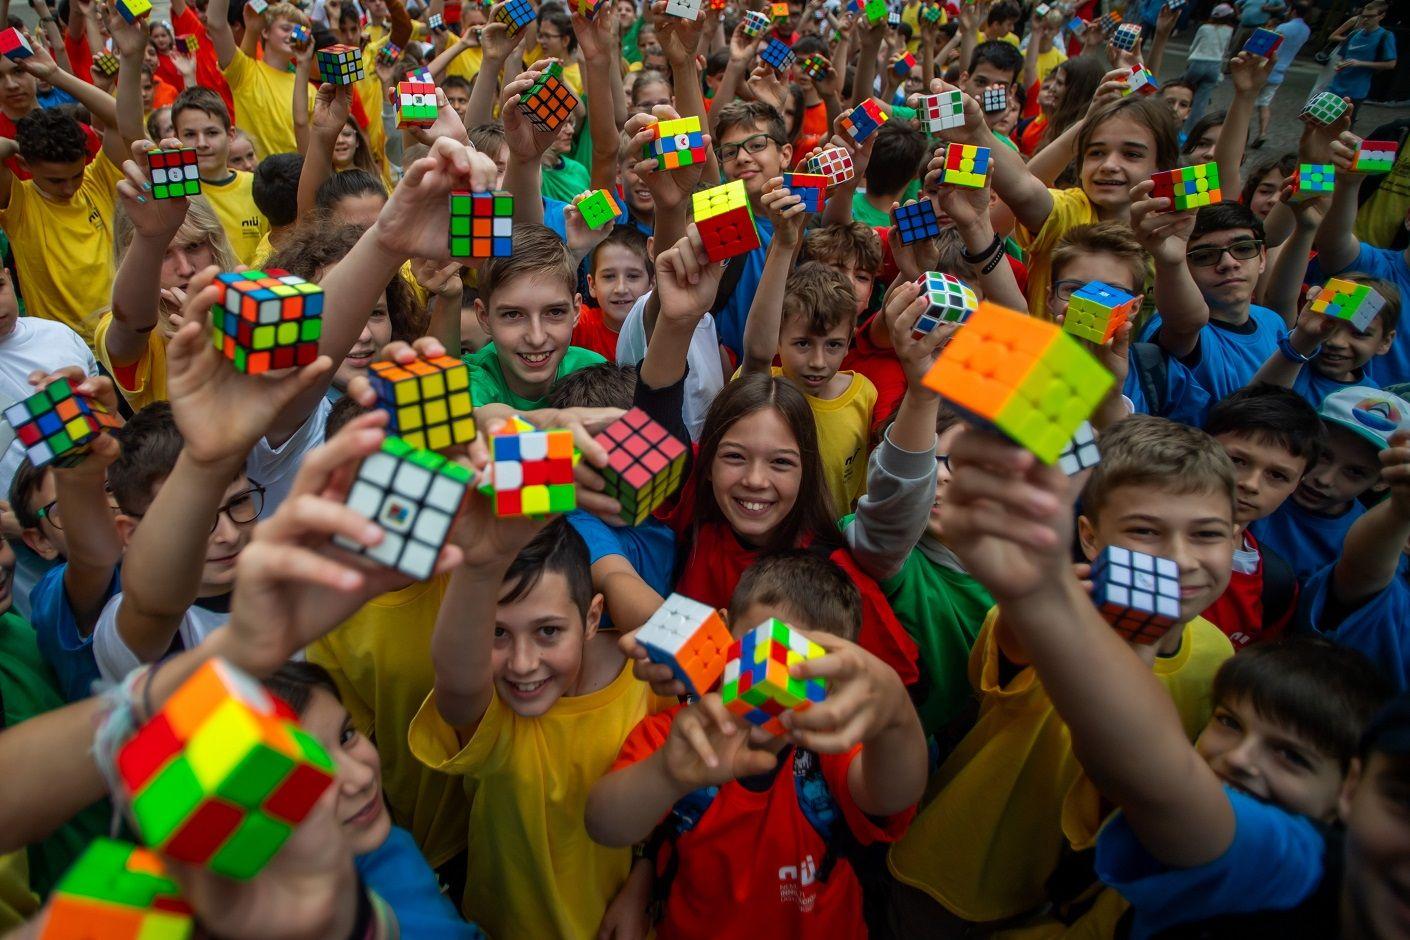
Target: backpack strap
[[1152, 371], [734, 270], [1279, 589]]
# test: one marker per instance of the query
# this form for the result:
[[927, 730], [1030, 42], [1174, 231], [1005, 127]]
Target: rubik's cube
[[1020, 376], [413, 494], [258, 6], [516, 14], [599, 208], [222, 774], [755, 23], [1188, 187], [549, 101], [893, 18], [1109, 23], [1354, 303], [1141, 81], [416, 104], [590, 8], [389, 53], [1264, 42], [428, 401], [299, 35], [1096, 311], [57, 425], [481, 224], [966, 165], [916, 221], [14, 46], [685, 9], [117, 891], [422, 75], [1174, 4], [1081, 452], [725, 221], [757, 685], [267, 320], [107, 63], [436, 23], [689, 637], [1041, 10], [1138, 594], [995, 98], [1375, 156], [1314, 179], [779, 10], [942, 112], [950, 301], [815, 65], [340, 65], [875, 10], [835, 163], [133, 10], [777, 54], [1324, 109], [191, 43], [903, 64], [811, 186], [1126, 36], [676, 143], [1076, 25], [174, 173], [864, 120], [532, 471], [644, 464]]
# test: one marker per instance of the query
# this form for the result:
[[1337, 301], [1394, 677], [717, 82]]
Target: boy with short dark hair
[[998, 27], [619, 272], [995, 63], [852, 248], [275, 191], [896, 159], [457, 90], [201, 121]]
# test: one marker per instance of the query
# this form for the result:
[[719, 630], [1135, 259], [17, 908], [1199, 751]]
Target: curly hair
[[48, 135]]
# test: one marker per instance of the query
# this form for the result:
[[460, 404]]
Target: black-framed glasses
[[241, 509], [50, 511], [752, 145], [942, 460], [1242, 250]]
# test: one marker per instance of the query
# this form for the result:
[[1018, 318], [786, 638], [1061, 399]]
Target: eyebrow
[[791, 451]]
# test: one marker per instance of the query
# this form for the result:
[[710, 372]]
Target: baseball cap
[[1389, 730], [1221, 10], [1371, 413]]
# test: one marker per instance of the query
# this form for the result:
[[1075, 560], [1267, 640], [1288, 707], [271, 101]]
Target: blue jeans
[[1203, 75]]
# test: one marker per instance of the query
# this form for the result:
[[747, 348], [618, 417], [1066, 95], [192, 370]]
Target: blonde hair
[[286, 11], [201, 224]]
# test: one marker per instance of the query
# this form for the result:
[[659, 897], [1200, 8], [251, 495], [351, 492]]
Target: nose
[[365, 337], [1249, 479], [184, 268], [353, 776], [1178, 551], [226, 532], [1241, 759], [537, 335], [755, 476], [1227, 263], [524, 657]]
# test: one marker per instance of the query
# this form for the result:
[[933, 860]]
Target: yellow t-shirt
[[1381, 216], [234, 204], [467, 64], [843, 424], [264, 99], [17, 902], [149, 375], [1011, 797], [64, 250], [263, 252], [572, 71], [1047, 61], [533, 871], [371, 94], [1071, 208]]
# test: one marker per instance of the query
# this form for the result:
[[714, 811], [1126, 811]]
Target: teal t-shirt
[[487, 384], [566, 180]]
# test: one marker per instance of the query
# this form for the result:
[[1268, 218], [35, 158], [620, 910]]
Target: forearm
[[99, 103], [666, 350], [838, 208], [1277, 370], [895, 509], [317, 168], [94, 547], [301, 113], [445, 320], [690, 101], [1023, 192], [630, 600], [729, 88], [602, 125], [626, 805], [1183, 311], [1047, 164], [218, 29], [1336, 243], [461, 646], [1030, 62], [1233, 138], [484, 93], [59, 776], [136, 298], [761, 327], [889, 774], [1285, 277], [442, 62], [1371, 553], [402, 28], [999, 284], [865, 77], [523, 178]]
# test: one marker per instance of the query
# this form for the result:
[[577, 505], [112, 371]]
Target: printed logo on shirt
[[795, 884], [251, 225]]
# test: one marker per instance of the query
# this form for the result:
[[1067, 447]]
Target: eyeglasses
[[242, 508], [1064, 289], [544, 35], [752, 145], [1209, 257], [50, 511], [942, 460]]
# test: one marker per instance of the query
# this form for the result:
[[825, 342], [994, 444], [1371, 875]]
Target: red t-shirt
[[208, 72], [812, 132], [80, 57], [748, 867], [7, 129], [592, 332], [878, 363], [1239, 611]]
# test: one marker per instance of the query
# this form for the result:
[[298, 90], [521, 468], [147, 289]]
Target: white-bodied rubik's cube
[[57, 425], [516, 14], [1324, 109], [1188, 187], [691, 638], [549, 101], [893, 18], [413, 494], [757, 685], [950, 301], [676, 143], [133, 10], [1138, 594], [174, 173], [1348, 301], [1141, 81], [725, 221], [117, 890], [815, 65], [756, 23], [1126, 36], [903, 64], [1096, 311], [994, 98], [107, 63], [685, 9], [14, 45], [812, 187], [257, 6], [599, 208], [340, 65], [644, 464], [532, 470], [835, 163], [966, 165], [481, 224], [1264, 42], [777, 54], [916, 221], [1081, 452], [267, 320], [1375, 156], [436, 23], [1314, 179], [942, 112], [427, 400], [416, 104], [1041, 10], [864, 120]]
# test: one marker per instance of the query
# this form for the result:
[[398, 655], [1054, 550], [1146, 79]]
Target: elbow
[[598, 815]]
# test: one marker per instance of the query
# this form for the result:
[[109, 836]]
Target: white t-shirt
[[706, 376], [274, 467], [115, 660]]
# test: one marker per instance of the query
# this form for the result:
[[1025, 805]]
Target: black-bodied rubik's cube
[[811, 187], [174, 173], [676, 143], [1081, 452], [1126, 36], [942, 112], [815, 65], [532, 470], [107, 63], [340, 64], [436, 23], [57, 425], [481, 224], [903, 64], [916, 221], [756, 23], [691, 638], [995, 98], [428, 401], [777, 54], [267, 320], [644, 464], [1324, 109], [950, 301], [599, 208], [893, 18], [389, 53], [516, 14], [191, 43], [133, 10], [864, 120], [1264, 42], [1138, 594], [757, 685], [1109, 23], [416, 104], [835, 163], [549, 101]]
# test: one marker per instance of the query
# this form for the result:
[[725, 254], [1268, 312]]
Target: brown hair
[[841, 243], [488, 138], [751, 114], [198, 98], [807, 584], [1151, 113], [1108, 238], [536, 250], [821, 296], [286, 11], [1144, 450], [1389, 314]]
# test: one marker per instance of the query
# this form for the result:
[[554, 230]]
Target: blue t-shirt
[[1308, 541], [1251, 12], [1226, 356], [1379, 627], [1274, 863], [1186, 401], [554, 216], [398, 872], [1394, 366], [1313, 386], [56, 631], [55, 98], [650, 548], [1295, 33], [1375, 46], [729, 323]]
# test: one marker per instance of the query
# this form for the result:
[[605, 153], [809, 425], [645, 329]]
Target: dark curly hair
[[46, 135]]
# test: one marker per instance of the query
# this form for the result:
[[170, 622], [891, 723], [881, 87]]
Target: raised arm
[[602, 94], [524, 175], [1020, 190], [330, 113], [686, 282], [1249, 72], [1289, 268], [762, 327], [1336, 242], [1371, 553], [1166, 235], [1305, 338], [222, 37]]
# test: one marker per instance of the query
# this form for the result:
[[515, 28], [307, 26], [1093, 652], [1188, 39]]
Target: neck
[[1121, 213], [532, 391], [279, 61], [1234, 315], [1169, 644], [15, 114], [882, 201]]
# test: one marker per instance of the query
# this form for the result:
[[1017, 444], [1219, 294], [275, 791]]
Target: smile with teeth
[[535, 359], [526, 688], [753, 505]]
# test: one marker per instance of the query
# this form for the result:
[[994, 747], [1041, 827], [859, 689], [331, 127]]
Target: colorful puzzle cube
[[757, 686], [117, 891], [532, 470], [966, 165], [815, 65], [1375, 156], [340, 64], [1324, 109], [1188, 187], [1020, 376], [685, 9], [1096, 311], [1076, 25], [994, 98], [549, 101], [416, 104], [222, 774], [191, 43], [903, 64], [599, 208], [1109, 22], [942, 112], [931, 12], [516, 14], [413, 494], [107, 63], [811, 186], [893, 18], [57, 425], [1081, 452], [1126, 36], [725, 221], [756, 23], [257, 6], [436, 23], [1264, 42], [864, 120], [481, 224], [267, 320], [689, 637], [835, 163], [174, 173], [133, 10], [299, 35], [1354, 303], [951, 301], [389, 53], [427, 400], [915, 221], [1041, 10], [1138, 594], [422, 75], [779, 10], [1141, 81], [14, 45], [676, 143], [644, 464], [1314, 179], [777, 54], [875, 10]]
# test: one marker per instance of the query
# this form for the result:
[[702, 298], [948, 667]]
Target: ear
[[482, 315], [1087, 536], [37, 542], [651, 253], [593, 619], [1348, 788], [577, 307], [126, 525], [787, 151], [1387, 341]]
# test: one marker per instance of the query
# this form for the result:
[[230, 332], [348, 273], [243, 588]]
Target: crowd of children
[[994, 755]]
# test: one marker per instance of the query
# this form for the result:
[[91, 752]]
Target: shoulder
[[579, 358]]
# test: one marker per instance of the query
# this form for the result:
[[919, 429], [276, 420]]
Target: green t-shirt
[[565, 181], [868, 214], [487, 384]]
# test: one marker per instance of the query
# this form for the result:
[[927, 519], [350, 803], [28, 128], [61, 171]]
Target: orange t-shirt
[[592, 332]]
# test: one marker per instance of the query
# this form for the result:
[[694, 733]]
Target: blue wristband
[[1285, 347]]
